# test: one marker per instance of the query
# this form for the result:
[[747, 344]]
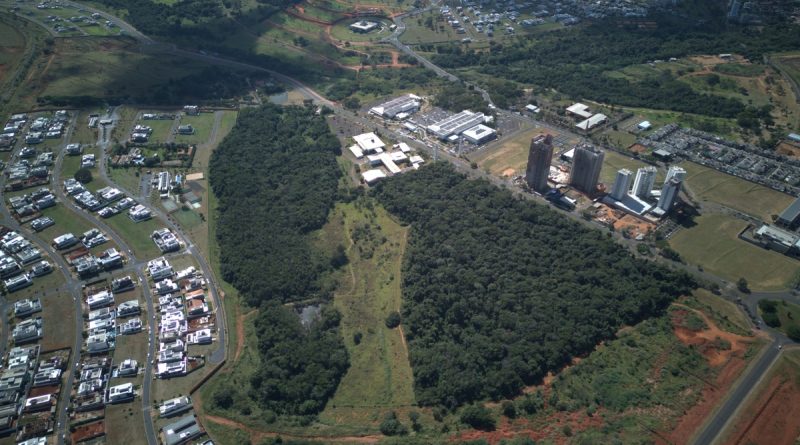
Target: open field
[[202, 125], [379, 373], [65, 222], [613, 161], [136, 235], [714, 244], [123, 423], [772, 414], [508, 157], [162, 130], [707, 184], [12, 48]]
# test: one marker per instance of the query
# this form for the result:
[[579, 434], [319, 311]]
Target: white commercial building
[[456, 124], [401, 105], [580, 110], [479, 134], [372, 176], [592, 122], [369, 142]]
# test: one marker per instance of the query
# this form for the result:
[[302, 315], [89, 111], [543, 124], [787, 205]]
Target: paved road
[[710, 432]]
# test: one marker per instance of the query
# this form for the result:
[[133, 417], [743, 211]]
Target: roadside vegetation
[[781, 315]]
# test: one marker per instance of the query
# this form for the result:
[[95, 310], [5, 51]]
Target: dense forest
[[498, 291], [300, 367], [575, 61], [275, 178]]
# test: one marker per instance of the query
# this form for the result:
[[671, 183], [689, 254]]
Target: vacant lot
[[714, 244], [772, 416], [710, 185], [379, 374], [137, 235], [508, 157], [202, 124]]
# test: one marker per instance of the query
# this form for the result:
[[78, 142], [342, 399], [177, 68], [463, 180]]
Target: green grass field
[[136, 235], [710, 185], [714, 244], [788, 314], [66, 221], [379, 374], [613, 161], [202, 125], [161, 129]]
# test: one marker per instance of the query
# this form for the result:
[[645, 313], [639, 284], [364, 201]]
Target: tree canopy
[[275, 178], [497, 291]]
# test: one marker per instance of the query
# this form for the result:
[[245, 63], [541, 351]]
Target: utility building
[[586, 166], [645, 179], [540, 155], [621, 184]]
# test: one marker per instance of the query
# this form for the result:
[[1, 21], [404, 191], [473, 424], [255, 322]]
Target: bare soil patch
[[774, 417]]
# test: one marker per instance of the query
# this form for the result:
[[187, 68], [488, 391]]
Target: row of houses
[[16, 253], [184, 317]]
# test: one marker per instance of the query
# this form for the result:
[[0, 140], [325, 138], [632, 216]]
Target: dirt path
[[240, 334], [712, 333], [257, 436]]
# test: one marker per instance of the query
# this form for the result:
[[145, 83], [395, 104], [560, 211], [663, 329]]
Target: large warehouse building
[[398, 107], [456, 124]]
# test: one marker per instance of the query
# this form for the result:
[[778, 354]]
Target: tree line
[[497, 291], [275, 178]]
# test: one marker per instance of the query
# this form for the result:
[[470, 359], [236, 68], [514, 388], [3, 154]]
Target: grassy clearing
[[12, 49], [162, 130], [754, 199], [123, 424], [202, 125], [614, 161], [379, 374], [724, 313], [137, 235], [714, 244], [66, 221], [726, 128], [127, 178]]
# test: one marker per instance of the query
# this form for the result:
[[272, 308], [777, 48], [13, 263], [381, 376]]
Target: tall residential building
[[668, 194], [540, 156], [586, 165], [675, 172], [622, 184], [645, 179]]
